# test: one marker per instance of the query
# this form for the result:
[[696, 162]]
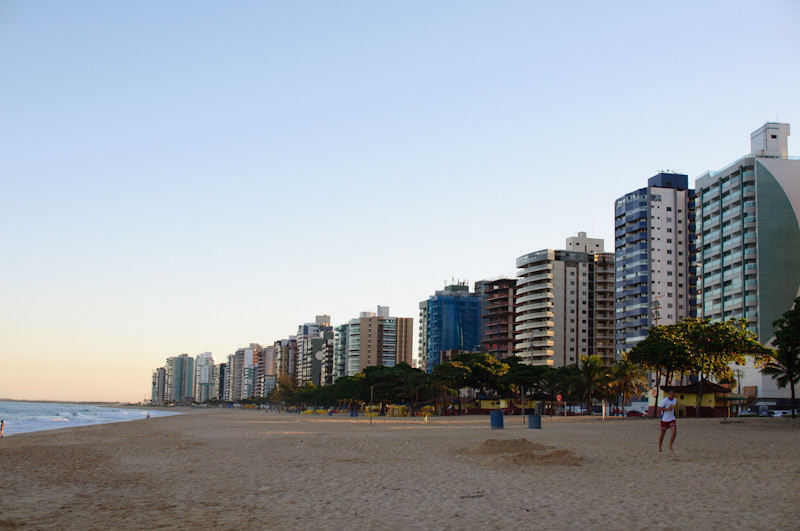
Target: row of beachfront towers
[[729, 247]]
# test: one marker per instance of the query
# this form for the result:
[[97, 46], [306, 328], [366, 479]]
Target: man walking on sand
[[667, 407]]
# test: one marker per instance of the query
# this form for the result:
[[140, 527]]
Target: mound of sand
[[507, 446], [556, 457]]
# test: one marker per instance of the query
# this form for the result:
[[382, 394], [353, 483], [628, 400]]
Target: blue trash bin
[[535, 422], [496, 418]]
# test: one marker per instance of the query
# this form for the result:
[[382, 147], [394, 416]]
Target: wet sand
[[222, 469]]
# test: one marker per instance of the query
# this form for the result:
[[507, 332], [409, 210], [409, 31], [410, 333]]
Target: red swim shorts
[[668, 424]]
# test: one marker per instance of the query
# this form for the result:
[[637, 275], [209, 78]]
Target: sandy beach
[[221, 469]]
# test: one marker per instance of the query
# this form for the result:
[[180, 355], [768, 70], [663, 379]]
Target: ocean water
[[24, 417]]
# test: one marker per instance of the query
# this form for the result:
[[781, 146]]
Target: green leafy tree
[[784, 364], [382, 382], [351, 390], [664, 351], [520, 378], [286, 389], [451, 375], [485, 370], [714, 346]]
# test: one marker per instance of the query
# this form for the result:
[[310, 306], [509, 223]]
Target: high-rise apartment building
[[306, 347], [157, 395], [179, 384], [222, 373], [565, 304], [264, 370], [655, 258], [449, 320], [341, 335], [205, 378], [374, 338], [497, 316], [286, 356], [749, 239]]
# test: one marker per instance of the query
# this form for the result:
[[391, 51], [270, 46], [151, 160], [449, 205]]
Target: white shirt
[[667, 416]]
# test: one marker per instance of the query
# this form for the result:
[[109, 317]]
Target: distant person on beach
[[667, 407], [148, 415], [2, 427]]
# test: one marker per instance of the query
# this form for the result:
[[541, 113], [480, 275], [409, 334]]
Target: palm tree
[[784, 367], [627, 379], [414, 386], [785, 370], [550, 385], [592, 378]]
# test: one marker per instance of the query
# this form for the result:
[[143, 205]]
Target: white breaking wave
[[24, 417]]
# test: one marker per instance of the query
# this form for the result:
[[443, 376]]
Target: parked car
[[634, 413]]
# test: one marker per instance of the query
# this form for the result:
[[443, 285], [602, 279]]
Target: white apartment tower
[[654, 258], [565, 304], [205, 378]]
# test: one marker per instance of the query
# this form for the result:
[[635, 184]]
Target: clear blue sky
[[185, 176]]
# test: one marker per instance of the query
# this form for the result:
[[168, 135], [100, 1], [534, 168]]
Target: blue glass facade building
[[453, 322]]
